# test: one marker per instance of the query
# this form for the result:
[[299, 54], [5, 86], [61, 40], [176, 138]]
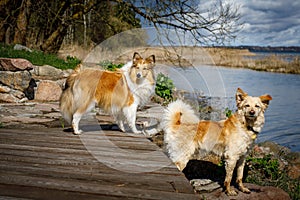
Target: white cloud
[[270, 22]]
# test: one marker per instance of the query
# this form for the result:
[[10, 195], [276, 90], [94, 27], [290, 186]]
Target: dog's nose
[[252, 112], [138, 75]]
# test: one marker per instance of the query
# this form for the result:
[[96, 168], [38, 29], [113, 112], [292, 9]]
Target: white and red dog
[[119, 92], [186, 137]]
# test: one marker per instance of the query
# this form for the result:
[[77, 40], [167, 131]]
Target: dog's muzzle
[[252, 113]]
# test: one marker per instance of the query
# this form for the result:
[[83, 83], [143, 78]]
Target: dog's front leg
[[75, 123], [119, 118], [230, 165], [240, 171], [130, 114]]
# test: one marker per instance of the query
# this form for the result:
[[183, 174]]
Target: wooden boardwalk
[[52, 164]]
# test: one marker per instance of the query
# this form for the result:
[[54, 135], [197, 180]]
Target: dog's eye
[[145, 68], [257, 106], [247, 105]]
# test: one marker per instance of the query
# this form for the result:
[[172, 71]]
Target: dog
[[29, 91], [186, 137], [119, 92]]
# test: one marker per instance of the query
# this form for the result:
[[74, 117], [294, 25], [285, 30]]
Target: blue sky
[[269, 23]]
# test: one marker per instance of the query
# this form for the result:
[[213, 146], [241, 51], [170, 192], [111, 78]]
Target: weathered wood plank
[[17, 192], [105, 164], [90, 187], [144, 181]]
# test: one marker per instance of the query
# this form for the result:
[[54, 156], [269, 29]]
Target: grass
[[39, 58], [237, 58], [266, 171]]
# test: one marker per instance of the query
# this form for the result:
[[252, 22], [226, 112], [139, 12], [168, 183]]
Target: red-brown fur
[[187, 137], [119, 92]]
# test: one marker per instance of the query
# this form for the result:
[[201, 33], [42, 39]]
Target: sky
[[269, 23], [266, 22]]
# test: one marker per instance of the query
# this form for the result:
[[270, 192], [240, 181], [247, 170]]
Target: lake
[[282, 117]]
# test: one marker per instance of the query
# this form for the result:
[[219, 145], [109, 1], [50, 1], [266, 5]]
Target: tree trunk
[[54, 41], [22, 23]]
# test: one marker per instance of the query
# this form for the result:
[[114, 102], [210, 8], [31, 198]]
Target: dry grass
[[188, 56]]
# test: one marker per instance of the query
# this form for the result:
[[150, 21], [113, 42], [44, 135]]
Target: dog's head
[[142, 68], [251, 107]]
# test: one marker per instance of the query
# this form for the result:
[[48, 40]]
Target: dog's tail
[[66, 103], [178, 113]]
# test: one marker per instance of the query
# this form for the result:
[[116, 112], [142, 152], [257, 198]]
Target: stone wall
[[21, 81]]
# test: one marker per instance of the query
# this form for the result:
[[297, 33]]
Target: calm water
[[282, 117]]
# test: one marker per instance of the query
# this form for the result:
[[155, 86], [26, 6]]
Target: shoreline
[[194, 56]]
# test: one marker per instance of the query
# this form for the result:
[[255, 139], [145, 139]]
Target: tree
[[209, 22], [43, 24]]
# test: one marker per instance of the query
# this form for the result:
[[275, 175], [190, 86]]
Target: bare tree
[[44, 24], [209, 22]]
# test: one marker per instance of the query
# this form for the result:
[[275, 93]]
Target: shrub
[[228, 112], [164, 87], [107, 65]]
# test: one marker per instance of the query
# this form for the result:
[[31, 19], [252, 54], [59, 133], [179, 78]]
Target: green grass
[[266, 171], [39, 58]]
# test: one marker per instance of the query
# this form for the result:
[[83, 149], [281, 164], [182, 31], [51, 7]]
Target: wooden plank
[[76, 144], [89, 187], [17, 192], [123, 141], [48, 160], [144, 181]]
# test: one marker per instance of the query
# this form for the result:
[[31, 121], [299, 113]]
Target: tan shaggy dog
[[119, 92], [186, 137]]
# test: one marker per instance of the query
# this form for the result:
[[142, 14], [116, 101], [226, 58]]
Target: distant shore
[[239, 57], [226, 57]]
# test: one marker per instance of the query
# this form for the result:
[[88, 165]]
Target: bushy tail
[[66, 102], [177, 113]]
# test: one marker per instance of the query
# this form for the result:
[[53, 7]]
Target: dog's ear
[[136, 57], [265, 99], [240, 96], [151, 60]]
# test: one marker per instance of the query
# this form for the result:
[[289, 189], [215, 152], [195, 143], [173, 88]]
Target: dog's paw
[[245, 190], [150, 132], [231, 192], [78, 132], [137, 132]]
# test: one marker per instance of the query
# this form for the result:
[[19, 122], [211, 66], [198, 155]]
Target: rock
[[15, 64], [9, 95], [48, 71], [18, 94], [8, 98], [204, 185], [16, 80], [293, 158], [285, 156], [4, 89], [257, 193], [48, 91], [269, 147], [21, 47]]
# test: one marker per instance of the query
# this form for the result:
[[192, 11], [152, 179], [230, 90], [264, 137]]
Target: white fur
[[187, 137], [76, 95], [142, 90]]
